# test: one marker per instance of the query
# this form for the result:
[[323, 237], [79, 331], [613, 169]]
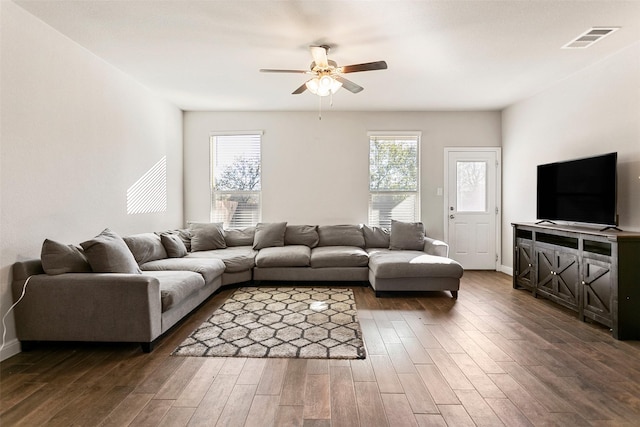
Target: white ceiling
[[442, 55]]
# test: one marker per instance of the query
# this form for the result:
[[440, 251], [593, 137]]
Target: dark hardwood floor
[[496, 356]]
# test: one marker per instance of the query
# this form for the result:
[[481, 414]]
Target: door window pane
[[471, 186]]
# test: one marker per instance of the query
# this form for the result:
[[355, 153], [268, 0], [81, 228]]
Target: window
[[394, 178], [235, 179], [471, 186]]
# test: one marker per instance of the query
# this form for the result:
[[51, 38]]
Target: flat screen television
[[580, 190]]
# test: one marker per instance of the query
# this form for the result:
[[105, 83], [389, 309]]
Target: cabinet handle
[[584, 283], [530, 265]]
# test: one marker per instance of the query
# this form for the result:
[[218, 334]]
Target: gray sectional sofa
[[134, 289]]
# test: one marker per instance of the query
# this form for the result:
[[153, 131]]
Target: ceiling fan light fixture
[[323, 86]]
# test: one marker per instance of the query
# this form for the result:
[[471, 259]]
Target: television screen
[[581, 190]]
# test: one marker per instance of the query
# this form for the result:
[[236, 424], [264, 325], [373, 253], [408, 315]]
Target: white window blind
[[236, 179], [394, 178]]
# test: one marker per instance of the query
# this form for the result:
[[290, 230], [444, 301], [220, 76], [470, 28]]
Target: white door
[[472, 206]]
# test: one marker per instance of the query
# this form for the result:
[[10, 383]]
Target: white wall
[[75, 133], [593, 112], [316, 171]]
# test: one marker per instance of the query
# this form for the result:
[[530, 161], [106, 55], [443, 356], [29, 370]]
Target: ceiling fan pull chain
[[319, 108]]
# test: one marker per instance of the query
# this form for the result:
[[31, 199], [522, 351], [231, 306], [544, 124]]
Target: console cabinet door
[[597, 295], [524, 264], [544, 262], [558, 276]]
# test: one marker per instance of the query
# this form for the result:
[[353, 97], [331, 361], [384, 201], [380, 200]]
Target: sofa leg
[[454, 294], [147, 347], [378, 294]]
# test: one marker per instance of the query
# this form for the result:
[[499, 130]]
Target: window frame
[[399, 135], [213, 192]]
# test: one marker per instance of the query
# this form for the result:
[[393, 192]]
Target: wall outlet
[[439, 191]]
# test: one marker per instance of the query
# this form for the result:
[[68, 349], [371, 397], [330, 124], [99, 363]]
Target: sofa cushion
[[376, 237], [210, 269], [269, 235], [236, 259], [338, 256], [145, 247], [285, 256], [108, 253], [174, 245], [206, 236], [341, 235], [302, 235], [58, 258], [406, 235], [176, 286], [389, 264], [239, 237]]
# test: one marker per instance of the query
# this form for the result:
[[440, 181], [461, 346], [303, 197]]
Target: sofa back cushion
[[108, 253], [145, 247], [239, 237], [341, 235], [306, 235], [406, 235], [376, 237], [58, 258], [269, 235], [206, 236]]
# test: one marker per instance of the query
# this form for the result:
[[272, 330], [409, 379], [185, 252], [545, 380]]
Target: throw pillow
[[183, 233], [58, 258], [376, 237], [174, 245], [145, 247], [108, 253], [206, 236], [306, 235], [269, 235], [406, 235]]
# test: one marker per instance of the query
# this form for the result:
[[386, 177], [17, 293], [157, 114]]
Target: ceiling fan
[[327, 75]]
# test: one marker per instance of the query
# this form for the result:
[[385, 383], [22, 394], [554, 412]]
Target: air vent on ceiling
[[589, 37]]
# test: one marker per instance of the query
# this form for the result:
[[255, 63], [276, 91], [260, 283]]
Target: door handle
[[452, 216]]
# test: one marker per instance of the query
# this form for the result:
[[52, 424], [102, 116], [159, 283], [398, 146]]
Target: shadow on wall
[[629, 195]]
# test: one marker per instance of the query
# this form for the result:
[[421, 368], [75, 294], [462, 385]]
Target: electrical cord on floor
[[4, 325]]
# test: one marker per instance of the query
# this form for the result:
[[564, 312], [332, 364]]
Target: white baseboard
[[506, 270], [10, 349]]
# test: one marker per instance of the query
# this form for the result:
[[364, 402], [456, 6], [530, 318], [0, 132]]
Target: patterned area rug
[[315, 323]]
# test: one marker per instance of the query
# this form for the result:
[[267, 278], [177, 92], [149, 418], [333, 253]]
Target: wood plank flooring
[[496, 356]]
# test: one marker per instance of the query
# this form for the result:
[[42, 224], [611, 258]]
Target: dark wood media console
[[596, 273]]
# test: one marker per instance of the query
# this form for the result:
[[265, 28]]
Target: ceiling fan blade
[[269, 70], [348, 84], [300, 89], [319, 54], [368, 66]]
